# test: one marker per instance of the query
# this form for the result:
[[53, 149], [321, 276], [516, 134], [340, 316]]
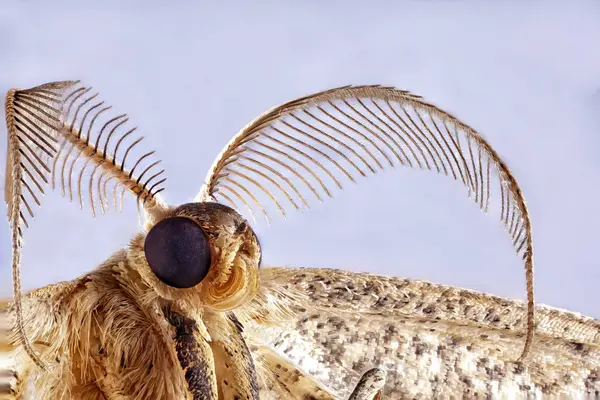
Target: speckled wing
[[435, 341], [306, 149]]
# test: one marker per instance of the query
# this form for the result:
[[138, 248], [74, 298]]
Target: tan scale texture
[[433, 340]]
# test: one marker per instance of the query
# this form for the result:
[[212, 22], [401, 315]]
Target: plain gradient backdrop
[[526, 74]]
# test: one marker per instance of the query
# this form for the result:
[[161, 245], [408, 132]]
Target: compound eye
[[178, 252]]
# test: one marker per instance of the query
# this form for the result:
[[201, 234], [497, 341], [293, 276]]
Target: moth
[[187, 311]]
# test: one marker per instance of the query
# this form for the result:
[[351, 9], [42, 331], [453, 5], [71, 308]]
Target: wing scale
[[435, 341]]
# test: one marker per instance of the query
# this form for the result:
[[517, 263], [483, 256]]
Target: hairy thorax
[[112, 335], [116, 337]]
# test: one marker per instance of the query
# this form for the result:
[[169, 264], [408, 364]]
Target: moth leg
[[194, 354], [284, 380], [370, 385], [293, 383], [234, 366]]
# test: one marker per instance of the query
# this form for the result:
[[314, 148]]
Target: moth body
[[187, 312]]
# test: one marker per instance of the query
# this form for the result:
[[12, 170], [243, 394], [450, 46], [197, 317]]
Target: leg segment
[[284, 380], [234, 366], [370, 386]]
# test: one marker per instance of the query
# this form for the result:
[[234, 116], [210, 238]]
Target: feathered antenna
[[354, 131], [53, 130]]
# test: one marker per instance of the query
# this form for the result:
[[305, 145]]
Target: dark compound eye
[[178, 252]]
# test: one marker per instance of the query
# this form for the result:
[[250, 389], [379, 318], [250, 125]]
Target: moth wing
[[8, 373], [16, 368], [435, 341]]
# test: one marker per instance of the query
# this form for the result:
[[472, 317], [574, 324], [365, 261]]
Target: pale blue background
[[525, 74]]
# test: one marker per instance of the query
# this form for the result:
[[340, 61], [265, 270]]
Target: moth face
[[201, 252]]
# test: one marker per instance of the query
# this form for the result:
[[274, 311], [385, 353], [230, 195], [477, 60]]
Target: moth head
[[202, 252]]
